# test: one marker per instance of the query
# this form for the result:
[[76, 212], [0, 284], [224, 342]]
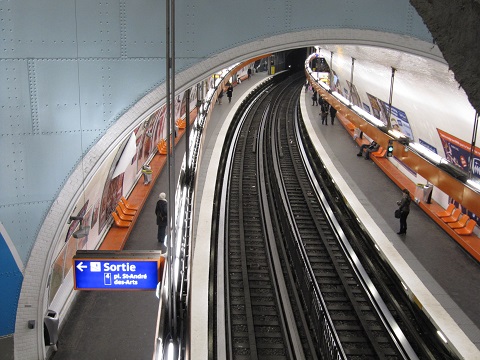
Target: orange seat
[[181, 123], [122, 216], [468, 229], [350, 126], [380, 152], [127, 204], [126, 210], [452, 218], [119, 222], [446, 212], [460, 223], [162, 147]]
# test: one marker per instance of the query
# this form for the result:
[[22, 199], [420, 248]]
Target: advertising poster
[[457, 152], [355, 100], [399, 120], [377, 110], [428, 146], [366, 108]]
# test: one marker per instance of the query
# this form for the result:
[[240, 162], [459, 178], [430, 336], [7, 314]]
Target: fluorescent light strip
[[474, 184], [341, 98], [325, 86], [425, 152], [396, 134], [371, 119]]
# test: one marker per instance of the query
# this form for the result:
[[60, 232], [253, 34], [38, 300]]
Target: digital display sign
[[106, 270]]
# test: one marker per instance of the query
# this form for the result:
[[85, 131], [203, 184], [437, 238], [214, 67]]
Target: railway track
[[289, 283]]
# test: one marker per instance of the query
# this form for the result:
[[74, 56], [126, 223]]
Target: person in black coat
[[161, 211], [333, 112], [324, 113], [404, 207], [230, 92], [368, 148]]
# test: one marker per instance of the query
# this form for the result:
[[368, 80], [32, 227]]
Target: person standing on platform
[[161, 211], [314, 98], [249, 72], [324, 113], [230, 93], [333, 112], [404, 207], [320, 101]]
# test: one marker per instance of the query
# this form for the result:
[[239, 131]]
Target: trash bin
[[427, 193], [147, 174], [50, 328], [423, 192]]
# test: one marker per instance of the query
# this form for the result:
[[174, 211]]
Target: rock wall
[[455, 27]]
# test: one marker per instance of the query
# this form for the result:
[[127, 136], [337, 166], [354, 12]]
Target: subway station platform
[[121, 325]]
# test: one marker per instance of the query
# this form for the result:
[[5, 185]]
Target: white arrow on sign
[[80, 266]]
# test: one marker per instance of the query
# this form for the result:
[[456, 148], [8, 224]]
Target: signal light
[[390, 148]]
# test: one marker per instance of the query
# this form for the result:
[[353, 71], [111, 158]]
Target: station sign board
[[117, 270]]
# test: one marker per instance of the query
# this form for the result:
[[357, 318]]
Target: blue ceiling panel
[[57, 96], [99, 28], [15, 112], [37, 29], [48, 162], [143, 28], [197, 38], [121, 84]]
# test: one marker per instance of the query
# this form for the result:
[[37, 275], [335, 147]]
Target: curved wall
[[77, 77]]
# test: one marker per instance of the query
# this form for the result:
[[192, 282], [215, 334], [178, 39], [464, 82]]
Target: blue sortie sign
[[117, 274]]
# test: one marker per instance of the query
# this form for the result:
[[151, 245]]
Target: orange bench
[[181, 123], [350, 126], [162, 147], [123, 216], [127, 204], [460, 223], [452, 218], [468, 229], [379, 153], [447, 212], [126, 210], [119, 222]]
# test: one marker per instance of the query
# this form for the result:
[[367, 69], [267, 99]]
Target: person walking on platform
[[324, 113], [314, 98], [161, 211], [333, 112], [404, 208], [230, 93]]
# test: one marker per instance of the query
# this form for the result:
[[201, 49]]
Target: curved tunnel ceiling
[[73, 70]]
